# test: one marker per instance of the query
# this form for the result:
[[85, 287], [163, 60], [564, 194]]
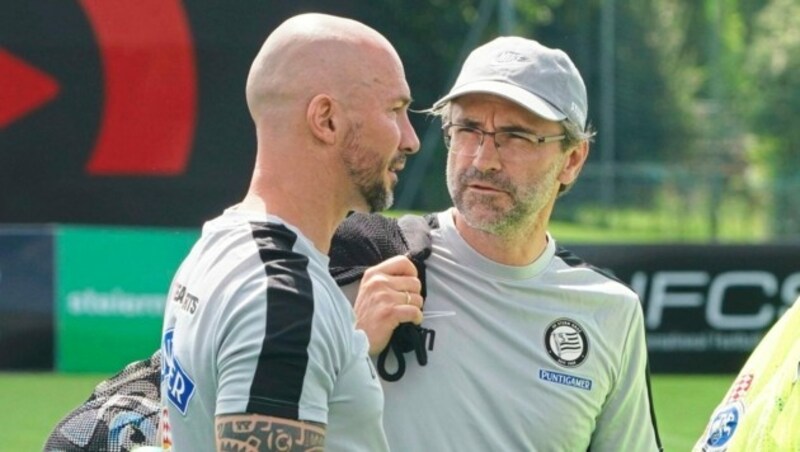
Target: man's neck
[[312, 211], [520, 247]]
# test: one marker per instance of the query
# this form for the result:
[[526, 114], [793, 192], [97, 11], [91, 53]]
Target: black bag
[[364, 240]]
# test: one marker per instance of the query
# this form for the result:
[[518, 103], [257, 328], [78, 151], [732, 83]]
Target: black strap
[[405, 338], [364, 240], [415, 231]]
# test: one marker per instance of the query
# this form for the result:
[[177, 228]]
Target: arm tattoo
[[259, 433]]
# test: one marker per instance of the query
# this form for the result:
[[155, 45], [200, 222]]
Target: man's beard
[[367, 172], [500, 219]]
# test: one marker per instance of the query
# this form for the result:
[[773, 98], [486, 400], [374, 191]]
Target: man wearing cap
[[528, 347]]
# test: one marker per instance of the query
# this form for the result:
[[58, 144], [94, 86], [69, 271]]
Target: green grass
[[684, 404], [34, 402], [571, 233], [640, 226]]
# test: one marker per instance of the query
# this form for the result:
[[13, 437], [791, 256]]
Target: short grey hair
[[575, 135]]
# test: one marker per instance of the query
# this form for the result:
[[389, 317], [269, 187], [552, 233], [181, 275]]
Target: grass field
[[34, 402]]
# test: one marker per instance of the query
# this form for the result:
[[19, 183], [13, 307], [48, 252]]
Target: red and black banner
[[129, 112]]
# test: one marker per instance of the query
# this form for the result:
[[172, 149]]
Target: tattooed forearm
[[259, 433]]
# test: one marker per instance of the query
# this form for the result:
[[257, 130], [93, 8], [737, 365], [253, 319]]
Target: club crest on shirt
[[566, 342], [723, 426]]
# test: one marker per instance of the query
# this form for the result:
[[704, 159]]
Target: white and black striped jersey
[[254, 323]]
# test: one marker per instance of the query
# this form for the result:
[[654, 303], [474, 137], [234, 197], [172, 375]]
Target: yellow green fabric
[[761, 411]]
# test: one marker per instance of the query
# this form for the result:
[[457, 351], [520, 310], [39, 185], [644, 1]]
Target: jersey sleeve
[[627, 420], [279, 349]]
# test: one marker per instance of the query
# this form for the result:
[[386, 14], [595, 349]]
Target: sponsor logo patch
[[565, 379], [180, 386], [566, 342], [723, 427]]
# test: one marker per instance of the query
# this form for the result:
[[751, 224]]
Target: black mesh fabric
[[361, 241], [122, 413], [364, 240]]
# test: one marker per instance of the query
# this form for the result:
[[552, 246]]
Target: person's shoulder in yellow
[[761, 411]]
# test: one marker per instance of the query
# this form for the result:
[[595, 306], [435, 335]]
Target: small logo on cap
[[510, 57]]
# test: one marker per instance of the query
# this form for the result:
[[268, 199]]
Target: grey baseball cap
[[538, 78]]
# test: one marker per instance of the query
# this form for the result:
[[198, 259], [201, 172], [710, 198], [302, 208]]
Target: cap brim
[[512, 93]]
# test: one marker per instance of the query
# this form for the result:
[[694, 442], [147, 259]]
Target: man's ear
[[576, 157], [320, 117]]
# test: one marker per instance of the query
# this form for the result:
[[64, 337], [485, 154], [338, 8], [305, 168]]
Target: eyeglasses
[[512, 145]]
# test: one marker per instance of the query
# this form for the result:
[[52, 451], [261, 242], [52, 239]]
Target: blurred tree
[[773, 64], [720, 151], [690, 80], [656, 82], [643, 97]]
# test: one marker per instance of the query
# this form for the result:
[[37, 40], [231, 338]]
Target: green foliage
[[710, 87], [773, 65], [656, 83]]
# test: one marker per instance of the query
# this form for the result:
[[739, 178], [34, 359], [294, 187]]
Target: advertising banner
[[26, 298], [112, 286], [705, 306], [91, 299]]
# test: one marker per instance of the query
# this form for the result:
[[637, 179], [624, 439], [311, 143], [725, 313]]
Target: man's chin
[[478, 217], [386, 204], [489, 227], [378, 203]]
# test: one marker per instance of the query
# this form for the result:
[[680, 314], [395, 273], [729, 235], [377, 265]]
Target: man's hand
[[388, 295]]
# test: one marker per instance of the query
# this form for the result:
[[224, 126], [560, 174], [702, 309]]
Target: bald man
[[259, 346]]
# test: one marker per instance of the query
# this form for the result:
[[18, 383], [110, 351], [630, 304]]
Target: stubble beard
[[367, 172], [493, 215]]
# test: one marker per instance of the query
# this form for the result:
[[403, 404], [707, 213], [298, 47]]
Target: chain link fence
[[684, 203]]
